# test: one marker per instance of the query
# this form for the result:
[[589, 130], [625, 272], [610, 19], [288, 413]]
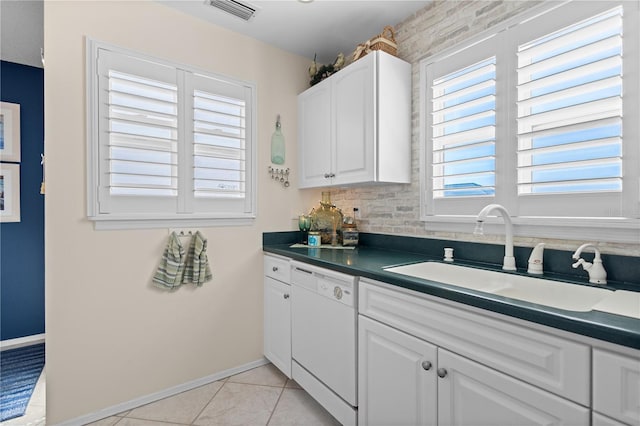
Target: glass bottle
[[304, 224], [349, 232], [327, 220], [277, 144]]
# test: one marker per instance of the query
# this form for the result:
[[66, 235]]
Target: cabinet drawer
[[277, 268], [557, 365], [616, 386]]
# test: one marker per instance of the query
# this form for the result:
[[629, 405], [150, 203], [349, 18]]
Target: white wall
[[111, 336]]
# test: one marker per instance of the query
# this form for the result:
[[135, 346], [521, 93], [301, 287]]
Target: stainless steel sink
[[556, 294]]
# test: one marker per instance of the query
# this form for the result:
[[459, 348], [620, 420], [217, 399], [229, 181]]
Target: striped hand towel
[[197, 269], [171, 269]]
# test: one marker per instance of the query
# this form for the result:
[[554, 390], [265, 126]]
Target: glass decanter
[[327, 220]]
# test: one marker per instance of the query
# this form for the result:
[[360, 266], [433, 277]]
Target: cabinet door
[[396, 383], [553, 363], [616, 386], [277, 324], [354, 114], [314, 135], [600, 420], [474, 395]]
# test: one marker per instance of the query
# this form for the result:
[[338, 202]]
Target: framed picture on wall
[[9, 192], [9, 132]]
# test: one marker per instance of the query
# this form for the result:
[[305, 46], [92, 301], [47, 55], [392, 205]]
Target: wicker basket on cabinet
[[385, 41]]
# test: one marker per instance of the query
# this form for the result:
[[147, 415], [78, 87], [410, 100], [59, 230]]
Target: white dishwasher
[[324, 337]]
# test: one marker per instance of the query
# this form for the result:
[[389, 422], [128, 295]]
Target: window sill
[[130, 222], [613, 230]]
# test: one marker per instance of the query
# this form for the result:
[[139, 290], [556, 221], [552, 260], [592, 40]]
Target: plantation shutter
[[138, 131], [569, 120], [168, 145], [564, 126], [461, 124], [221, 161]]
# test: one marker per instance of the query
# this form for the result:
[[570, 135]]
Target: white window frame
[[162, 219], [610, 229]]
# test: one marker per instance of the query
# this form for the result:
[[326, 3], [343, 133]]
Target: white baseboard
[[21, 341], [134, 403]]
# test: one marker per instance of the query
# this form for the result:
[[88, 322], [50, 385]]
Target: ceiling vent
[[241, 10]]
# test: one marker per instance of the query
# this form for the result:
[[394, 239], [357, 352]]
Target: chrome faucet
[[597, 274], [509, 262]]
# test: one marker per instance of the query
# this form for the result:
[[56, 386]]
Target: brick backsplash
[[395, 209]]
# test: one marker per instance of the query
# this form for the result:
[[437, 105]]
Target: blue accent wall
[[22, 243]]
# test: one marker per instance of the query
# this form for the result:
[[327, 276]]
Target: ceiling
[[21, 31], [322, 27]]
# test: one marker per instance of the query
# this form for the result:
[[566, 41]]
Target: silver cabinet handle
[[427, 365], [275, 269], [442, 373], [286, 295]]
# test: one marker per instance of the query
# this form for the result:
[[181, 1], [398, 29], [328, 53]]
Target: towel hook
[[183, 232]]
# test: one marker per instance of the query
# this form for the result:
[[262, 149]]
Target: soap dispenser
[[535, 260]]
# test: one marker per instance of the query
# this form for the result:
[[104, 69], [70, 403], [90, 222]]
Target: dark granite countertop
[[369, 261]]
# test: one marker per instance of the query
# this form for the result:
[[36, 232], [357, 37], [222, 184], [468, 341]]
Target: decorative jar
[[313, 239]]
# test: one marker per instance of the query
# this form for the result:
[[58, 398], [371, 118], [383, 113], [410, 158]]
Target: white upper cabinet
[[355, 126], [314, 135]]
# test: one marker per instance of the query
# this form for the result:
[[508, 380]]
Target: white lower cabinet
[[424, 361], [474, 395], [277, 313], [404, 380], [277, 324], [396, 377], [616, 387], [600, 420], [412, 374]]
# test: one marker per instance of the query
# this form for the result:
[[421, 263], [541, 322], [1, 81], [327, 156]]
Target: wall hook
[[183, 232]]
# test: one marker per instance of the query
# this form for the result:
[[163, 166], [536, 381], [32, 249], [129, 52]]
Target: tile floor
[[261, 396]]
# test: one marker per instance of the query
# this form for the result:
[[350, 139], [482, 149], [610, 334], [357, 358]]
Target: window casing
[[565, 131], [167, 145]]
